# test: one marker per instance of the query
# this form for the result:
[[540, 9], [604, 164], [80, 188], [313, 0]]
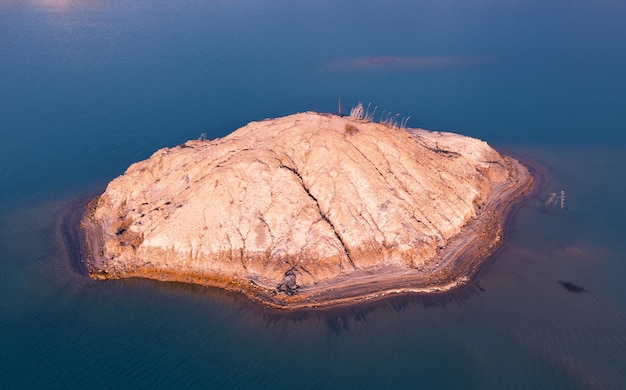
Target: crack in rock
[[324, 216]]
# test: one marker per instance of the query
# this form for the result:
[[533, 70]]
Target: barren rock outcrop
[[297, 202]]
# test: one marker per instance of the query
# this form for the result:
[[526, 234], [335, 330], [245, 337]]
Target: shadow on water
[[342, 319]]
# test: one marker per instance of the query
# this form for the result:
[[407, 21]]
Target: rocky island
[[308, 210]]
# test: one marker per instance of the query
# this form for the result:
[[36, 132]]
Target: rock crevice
[[323, 215]]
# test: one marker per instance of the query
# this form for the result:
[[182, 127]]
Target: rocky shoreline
[[455, 265]]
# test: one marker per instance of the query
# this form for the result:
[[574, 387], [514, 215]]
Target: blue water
[[88, 87]]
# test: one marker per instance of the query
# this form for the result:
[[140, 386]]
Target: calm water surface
[[88, 87]]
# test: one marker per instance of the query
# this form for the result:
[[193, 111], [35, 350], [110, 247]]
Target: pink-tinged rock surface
[[328, 201]]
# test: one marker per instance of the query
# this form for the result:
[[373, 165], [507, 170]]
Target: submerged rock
[[319, 197], [572, 287]]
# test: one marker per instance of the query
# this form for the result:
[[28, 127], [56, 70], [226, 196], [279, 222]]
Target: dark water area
[[89, 87]]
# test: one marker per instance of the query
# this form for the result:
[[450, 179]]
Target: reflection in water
[[65, 5], [411, 63]]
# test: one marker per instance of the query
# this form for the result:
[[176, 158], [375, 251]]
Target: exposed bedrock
[[315, 196]]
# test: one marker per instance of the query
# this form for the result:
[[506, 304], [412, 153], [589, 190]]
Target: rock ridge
[[316, 201]]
